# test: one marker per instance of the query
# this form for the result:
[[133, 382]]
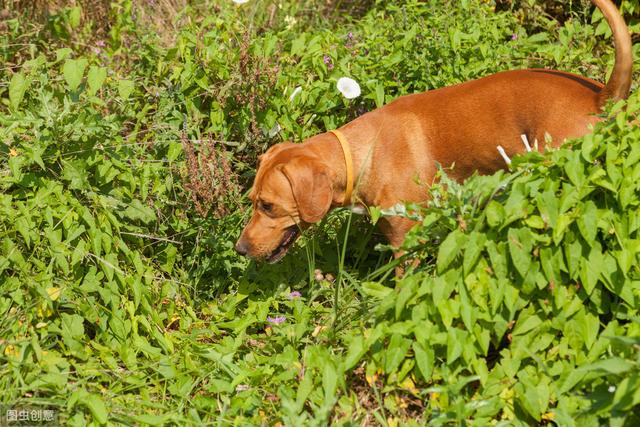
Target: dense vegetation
[[128, 138]]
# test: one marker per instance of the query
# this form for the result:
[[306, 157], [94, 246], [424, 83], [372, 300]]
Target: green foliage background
[[122, 300]]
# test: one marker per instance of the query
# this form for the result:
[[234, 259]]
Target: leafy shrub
[[121, 303], [531, 313]]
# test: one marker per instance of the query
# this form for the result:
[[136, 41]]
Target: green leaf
[[357, 349], [63, 53], [449, 249], [376, 290], [72, 325], [614, 365], [17, 88], [520, 246], [75, 13], [591, 328], [529, 398], [379, 95], [456, 338], [75, 172], [425, 358], [125, 88], [473, 249], [495, 214], [395, 352], [95, 79], [575, 170], [374, 213], [73, 70], [591, 269], [588, 222], [526, 324], [329, 381], [96, 405], [627, 395], [137, 211]]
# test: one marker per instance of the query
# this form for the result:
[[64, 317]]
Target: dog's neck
[[328, 148]]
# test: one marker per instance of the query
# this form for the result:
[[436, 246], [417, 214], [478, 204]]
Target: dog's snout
[[241, 247]]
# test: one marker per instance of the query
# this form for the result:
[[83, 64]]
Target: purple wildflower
[[294, 295], [514, 37], [328, 62], [100, 43], [276, 320], [350, 40]]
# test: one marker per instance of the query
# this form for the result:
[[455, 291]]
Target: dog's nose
[[242, 247]]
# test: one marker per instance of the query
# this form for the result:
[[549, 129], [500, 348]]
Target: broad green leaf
[[520, 246], [356, 350], [627, 394], [530, 400], [96, 405], [75, 13], [63, 53], [425, 359], [472, 251], [376, 290], [17, 88], [395, 352], [95, 79], [591, 269], [329, 382], [588, 221], [75, 172], [456, 339], [526, 324], [614, 365], [495, 214], [73, 71], [138, 211], [125, 88], [449, 249]]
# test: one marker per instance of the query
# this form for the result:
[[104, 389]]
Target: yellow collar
[[349, 164]]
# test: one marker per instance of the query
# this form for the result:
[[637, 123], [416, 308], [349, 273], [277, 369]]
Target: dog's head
[[292, 190]]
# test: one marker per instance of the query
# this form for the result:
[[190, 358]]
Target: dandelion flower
[[348, 87]]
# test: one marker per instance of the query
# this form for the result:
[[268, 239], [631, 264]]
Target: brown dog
[[297, 184]]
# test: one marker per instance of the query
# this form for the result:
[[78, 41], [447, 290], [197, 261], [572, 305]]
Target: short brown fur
[[395, 148]]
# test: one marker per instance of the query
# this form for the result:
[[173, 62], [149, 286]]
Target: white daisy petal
[[348, 87]]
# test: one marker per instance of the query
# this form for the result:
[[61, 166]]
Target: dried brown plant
[[210, 181]]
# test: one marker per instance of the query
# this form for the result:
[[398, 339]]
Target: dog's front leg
[[395, 228]]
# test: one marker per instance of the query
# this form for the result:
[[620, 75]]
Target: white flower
[[240, 1], [290, 21], [348, 87], [612, 388], [295, 93]]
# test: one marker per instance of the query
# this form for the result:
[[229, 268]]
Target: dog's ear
[[273, 150], [311, 188]]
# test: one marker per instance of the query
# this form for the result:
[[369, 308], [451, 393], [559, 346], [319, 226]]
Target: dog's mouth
[[290, 236]]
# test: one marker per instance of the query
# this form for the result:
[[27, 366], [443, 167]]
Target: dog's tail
[[619, 83]]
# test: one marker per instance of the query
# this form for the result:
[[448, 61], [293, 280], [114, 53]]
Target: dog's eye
[[266, 207]]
